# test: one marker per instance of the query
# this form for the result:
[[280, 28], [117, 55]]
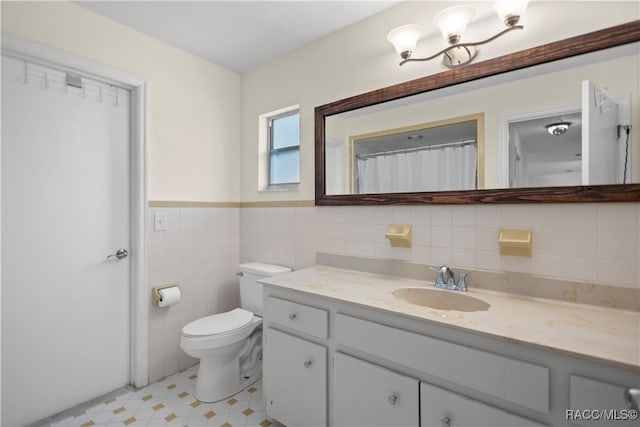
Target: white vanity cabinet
[[508, 379], [369, 395], [512, 380], [336, 363], [295, 368]]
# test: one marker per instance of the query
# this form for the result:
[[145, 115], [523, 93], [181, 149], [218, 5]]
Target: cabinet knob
[[307, 363], [292, 316], [393, 399], [632, 397], [445, 422]]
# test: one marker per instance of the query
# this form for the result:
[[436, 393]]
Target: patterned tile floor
[[171, 402]]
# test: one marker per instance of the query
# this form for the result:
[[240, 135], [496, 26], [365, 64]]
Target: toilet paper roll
[[169, 296]]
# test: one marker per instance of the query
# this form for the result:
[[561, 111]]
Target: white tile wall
[[200, 252], [202, 247], [597, 243]]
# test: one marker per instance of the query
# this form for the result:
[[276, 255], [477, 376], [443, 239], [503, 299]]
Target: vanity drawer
[[515, 381], [299, 317], [588, 397], [440, 407]]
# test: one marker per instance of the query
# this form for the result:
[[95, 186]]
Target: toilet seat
[[219, 330], [218, 324]]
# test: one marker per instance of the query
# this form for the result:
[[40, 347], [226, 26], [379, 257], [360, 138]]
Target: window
[[284, 148]]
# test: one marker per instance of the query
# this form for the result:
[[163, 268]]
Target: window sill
[[280, 188]]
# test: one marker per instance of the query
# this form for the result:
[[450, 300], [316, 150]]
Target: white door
[[65, 208], [600, 152]]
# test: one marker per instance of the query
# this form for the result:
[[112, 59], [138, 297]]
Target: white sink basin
[[441, 299]]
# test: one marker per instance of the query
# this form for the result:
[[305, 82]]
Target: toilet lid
[[218, 323]]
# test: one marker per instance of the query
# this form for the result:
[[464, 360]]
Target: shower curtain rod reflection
[[417, 149]]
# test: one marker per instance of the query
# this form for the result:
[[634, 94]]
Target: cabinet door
[[596, 403], [368, 395], [295, 380], [442, 408]]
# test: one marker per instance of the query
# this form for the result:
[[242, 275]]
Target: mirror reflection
[[544, 159], [591, 99], [435, 156]]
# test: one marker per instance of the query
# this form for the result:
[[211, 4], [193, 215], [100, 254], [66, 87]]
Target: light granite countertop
[[603, 334]]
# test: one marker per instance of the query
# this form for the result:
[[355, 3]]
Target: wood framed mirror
[[456, 82]]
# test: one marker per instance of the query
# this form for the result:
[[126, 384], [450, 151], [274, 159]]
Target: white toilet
[[229, 345]]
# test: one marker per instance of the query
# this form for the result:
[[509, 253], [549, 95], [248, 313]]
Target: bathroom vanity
[[341, 349]]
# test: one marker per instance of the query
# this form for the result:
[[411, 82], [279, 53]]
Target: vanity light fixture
[[558, 128], [452, 23]]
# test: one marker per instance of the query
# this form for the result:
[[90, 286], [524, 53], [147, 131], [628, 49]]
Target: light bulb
[[558, 128], [510, 11], [405, 38], [453, 21]]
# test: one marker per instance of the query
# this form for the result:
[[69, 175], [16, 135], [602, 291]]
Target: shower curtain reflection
[[440, 168]]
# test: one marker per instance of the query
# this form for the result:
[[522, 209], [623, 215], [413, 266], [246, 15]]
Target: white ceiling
[[550, 154], [536, 141], [238, 35], [407, 140]]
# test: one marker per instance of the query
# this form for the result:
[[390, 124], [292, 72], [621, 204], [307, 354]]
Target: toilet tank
[[250, 289]]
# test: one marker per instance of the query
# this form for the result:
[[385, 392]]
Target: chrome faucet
[[440, 283], [447, 272]]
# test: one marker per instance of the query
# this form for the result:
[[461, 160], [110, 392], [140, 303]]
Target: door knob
[[120, 254]]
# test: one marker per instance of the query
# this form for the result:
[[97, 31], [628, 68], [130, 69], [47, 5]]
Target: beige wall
[[197, 152], [193, 156], [197, 110], [193, 105], [358, 59]]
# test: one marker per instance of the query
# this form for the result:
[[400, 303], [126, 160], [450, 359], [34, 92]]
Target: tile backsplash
[[595, 243], [202, 247]]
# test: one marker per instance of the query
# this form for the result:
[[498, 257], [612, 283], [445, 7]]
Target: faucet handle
[[440, 278], [462, 284], [439, 282], [451, 277]]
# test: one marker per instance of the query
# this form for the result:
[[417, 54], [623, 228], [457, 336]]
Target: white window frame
[[264, 150]]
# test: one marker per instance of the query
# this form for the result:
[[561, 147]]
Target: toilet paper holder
[[155, 292]]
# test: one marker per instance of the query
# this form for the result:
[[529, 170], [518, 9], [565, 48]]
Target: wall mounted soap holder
[[516, 241], [399, 235]]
